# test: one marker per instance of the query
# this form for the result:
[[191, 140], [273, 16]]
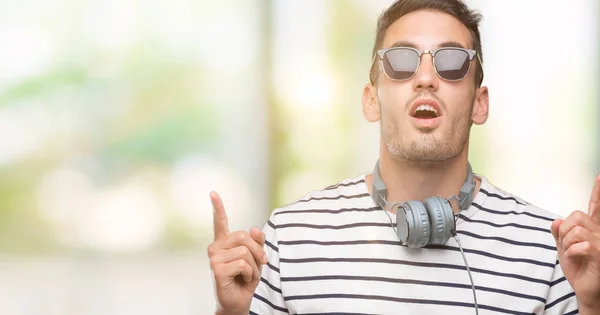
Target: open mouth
[[425, 111]]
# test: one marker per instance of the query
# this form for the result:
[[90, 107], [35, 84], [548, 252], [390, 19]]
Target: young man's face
[[422, 136]]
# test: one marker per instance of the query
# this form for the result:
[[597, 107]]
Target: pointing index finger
[[594, 208], [220, 223]]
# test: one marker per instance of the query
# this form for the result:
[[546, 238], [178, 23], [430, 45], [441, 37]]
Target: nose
[[426, 78]]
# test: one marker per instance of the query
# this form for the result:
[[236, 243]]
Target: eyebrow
[[444, 44], [404, 44], [451, 44]]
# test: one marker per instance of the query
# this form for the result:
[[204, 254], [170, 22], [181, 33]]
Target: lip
[[429, 123], [426, 123]]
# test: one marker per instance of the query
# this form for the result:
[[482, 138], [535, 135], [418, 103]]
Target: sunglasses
[[450, 63]]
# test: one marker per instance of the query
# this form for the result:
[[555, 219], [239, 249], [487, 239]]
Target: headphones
[[429, 222]]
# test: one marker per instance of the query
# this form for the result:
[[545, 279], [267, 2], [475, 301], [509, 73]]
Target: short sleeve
[[561, 297], [268, 298]]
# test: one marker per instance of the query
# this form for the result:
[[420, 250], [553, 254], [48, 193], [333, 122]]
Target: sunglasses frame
[[472, 54]]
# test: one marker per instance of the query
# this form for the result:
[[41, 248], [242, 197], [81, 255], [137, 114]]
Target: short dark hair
[[456, 8]]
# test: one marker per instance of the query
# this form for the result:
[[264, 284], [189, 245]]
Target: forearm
[[589, 310]]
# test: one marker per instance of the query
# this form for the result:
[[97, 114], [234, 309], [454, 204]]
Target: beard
[[427, 147]]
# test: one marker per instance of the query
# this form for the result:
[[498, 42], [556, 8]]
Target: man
[[345, 250]]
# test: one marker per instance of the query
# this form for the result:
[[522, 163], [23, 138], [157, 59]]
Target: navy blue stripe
[[564, 297], [409, 281], [335, 243], [490, 255], [273, 267], [509, 275], [332, 211], [344, 184], [271, 224], [489, 194], [412, 263], [480, 207], [573, 312], [334, 198], [397, 243], [273, 306], [520, 226], [274, 288], [332, 227], [557, 281], [272, 246], [401, 300], [506, 240], [252, 313]]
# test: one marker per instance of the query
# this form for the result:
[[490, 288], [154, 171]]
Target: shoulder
[[346, 189], [327, 206], [502, 214], [338, 198], [497, 198]]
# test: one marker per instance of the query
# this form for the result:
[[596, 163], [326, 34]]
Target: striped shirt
[[334, 251]]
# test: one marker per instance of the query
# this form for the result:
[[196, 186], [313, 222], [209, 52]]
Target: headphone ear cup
[[419, 228], [442, 219]]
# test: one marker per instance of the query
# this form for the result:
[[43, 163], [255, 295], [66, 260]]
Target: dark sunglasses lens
[[452, 64], [400, 64]]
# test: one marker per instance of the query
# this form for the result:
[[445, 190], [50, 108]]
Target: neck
[[418, 180]]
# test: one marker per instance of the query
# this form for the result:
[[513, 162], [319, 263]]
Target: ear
[[370, 103], [481, 106]]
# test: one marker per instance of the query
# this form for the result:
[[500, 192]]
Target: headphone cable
[[468, 270], [391, 223]]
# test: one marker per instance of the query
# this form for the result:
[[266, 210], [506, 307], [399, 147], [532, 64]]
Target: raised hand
[[236, 260], [578, 243]]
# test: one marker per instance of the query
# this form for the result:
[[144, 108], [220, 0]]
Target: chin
[[425, 148]]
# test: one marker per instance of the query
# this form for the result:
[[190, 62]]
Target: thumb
[[259, 237], [554, 229]]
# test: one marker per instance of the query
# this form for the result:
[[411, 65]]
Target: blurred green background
[[117, 118]]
